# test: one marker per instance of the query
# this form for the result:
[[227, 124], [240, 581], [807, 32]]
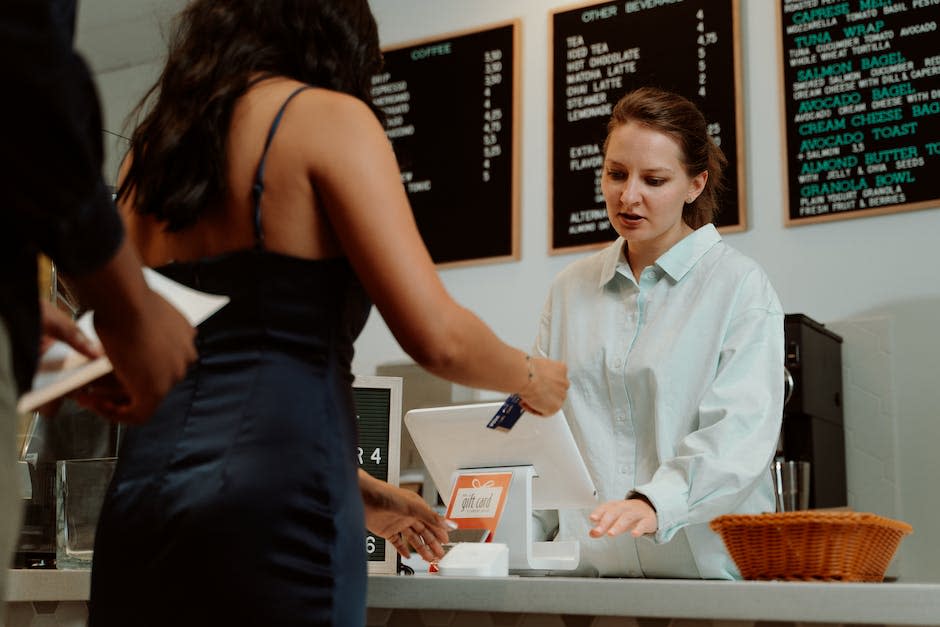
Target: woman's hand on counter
[[633, 515]]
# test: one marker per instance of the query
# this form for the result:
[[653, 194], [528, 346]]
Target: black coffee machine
[[812, 416]]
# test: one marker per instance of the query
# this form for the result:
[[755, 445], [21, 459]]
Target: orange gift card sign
[[477, 500]]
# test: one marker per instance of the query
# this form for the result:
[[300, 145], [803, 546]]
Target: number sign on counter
[[450, 104], [600, 52], [378, 414], [861, 91]]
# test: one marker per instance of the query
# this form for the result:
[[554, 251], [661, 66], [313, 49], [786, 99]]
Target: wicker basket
[[811, 545]]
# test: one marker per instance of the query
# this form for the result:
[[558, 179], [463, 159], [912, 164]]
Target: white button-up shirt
[[676, 393]]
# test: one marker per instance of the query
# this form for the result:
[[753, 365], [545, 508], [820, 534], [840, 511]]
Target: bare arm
[[354, 170]]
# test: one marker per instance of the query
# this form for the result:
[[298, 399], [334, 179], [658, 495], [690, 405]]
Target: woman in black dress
[[262, 172]]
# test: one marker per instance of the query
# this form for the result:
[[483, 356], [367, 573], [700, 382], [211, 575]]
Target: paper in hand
[[62, 369]]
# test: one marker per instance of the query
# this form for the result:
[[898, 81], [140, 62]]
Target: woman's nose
[[629, 194]]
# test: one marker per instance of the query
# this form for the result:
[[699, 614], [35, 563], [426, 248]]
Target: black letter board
[[451, 111], [861, 91], [600, 52], [378, 414]]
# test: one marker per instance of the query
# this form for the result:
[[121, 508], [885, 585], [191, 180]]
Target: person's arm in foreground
[[57, 123], [150, 344]]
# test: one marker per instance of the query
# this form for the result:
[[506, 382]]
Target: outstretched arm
[[356, 176]]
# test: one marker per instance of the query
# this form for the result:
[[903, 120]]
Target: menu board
[[451, 105], [861, 83], [602, 51], [378, 414]]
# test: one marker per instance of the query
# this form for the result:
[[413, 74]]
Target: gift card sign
[[477, 500]]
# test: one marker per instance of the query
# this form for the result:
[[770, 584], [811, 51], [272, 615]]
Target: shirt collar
[[679, 259], [675, 262], [613, 258]]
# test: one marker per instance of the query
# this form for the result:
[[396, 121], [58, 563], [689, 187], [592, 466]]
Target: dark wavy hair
[[178, 169], [680, 119]]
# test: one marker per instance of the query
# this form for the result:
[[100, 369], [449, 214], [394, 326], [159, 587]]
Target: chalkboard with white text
[[861, 90], [602, 51], [450, 105]]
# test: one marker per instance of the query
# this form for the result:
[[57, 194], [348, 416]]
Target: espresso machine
[[813, 429]]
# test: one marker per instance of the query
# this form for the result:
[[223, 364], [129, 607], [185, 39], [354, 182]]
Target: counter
[[561, 601], [781, 602]]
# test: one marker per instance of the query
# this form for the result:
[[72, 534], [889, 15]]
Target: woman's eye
[[615, 175], [655, 182]]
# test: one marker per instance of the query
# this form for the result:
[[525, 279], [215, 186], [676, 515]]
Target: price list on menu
[[450, 115], [861, 81], [600, 52]]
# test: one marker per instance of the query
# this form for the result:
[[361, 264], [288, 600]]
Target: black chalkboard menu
[[861, 91], [600, 52], [378, 415], [451, 104]]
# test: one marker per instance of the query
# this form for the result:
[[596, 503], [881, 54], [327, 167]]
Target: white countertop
[[894, 603], [42, 584], [859, 603]]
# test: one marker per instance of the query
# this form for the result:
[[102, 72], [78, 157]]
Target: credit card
[[507, 415]]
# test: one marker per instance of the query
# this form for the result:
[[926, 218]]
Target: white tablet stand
[[515, 526]]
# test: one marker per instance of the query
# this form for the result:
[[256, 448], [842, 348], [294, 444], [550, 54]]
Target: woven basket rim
[[811, 545], [809, 516]]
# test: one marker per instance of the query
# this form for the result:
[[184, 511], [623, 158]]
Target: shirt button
[[619, 417], [624, 470], [650, 274], [617, 363]]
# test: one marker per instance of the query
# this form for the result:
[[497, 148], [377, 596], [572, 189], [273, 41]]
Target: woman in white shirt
[[674, 346]]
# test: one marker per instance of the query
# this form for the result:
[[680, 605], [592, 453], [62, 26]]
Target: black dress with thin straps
[[238, 502]]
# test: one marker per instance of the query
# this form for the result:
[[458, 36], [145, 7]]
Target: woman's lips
[[630, 220]]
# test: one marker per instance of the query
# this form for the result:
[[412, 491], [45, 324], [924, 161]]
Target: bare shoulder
[[311, 106], [337, 131], [326, 109]]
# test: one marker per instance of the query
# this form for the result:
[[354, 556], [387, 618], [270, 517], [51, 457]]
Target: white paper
[[62, 369]]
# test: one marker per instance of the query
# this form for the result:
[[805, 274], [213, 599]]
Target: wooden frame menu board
[[860, 83], [451, 104], [600, 52]]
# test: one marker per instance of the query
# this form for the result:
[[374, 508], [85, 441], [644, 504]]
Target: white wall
[[883, 267]]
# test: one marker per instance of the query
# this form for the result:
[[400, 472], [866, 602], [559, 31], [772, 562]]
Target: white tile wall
[[871, 417]]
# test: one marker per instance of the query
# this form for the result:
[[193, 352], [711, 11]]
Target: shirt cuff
[[672, 511]]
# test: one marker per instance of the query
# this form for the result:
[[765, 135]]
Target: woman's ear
[[697, 185]]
